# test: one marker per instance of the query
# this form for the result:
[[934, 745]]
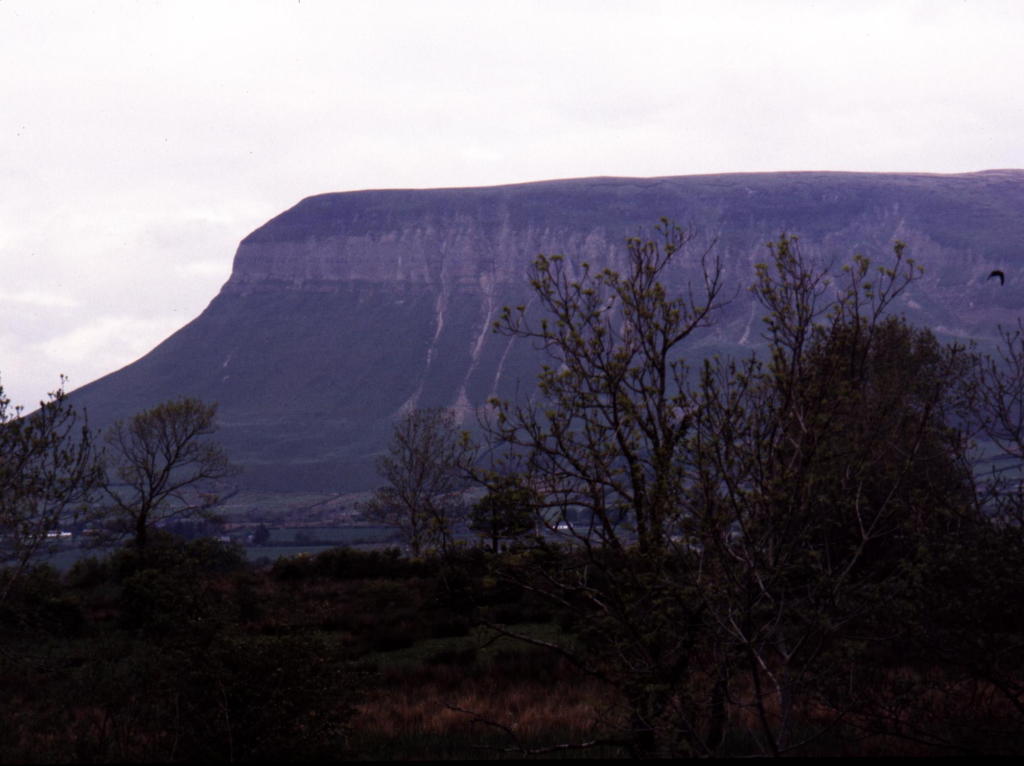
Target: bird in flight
[[997, 273]]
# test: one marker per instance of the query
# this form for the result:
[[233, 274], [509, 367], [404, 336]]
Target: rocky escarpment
[[350, 307]]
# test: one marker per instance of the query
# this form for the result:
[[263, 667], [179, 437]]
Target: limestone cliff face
[[480, 241], [348, 308], [461, 238]]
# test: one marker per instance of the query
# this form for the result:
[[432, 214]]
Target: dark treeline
[[810, 551]]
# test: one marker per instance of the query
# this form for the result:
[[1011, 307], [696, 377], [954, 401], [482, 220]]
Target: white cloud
[[206, 269], [38, 298], [110, 340]]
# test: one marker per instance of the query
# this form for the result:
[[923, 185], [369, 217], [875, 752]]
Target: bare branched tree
[[603, 444], [48, 474], [163, 467], [1000, 387], [423, 466]]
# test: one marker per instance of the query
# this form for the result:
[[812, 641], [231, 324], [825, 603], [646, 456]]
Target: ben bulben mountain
[[349, 308]]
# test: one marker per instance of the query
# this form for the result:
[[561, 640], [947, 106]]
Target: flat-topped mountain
[[350, 307]]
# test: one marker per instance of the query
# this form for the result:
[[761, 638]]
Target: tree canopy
[[161, 466], [48, 474], [754, 522], [424, 470]]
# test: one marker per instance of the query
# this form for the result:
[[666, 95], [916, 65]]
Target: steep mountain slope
[[349, 307]]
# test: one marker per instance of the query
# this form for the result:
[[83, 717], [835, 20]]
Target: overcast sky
[[140, 141]]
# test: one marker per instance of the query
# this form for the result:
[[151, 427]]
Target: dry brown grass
[[899, 712], [468, 701]]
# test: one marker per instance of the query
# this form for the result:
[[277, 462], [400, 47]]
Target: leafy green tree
[[959, 619], [822, 476], [606, 437], [161, 466], [261, 536], [423, 466], [507, 511], [48, 474], [614, 407], [747, 528]]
